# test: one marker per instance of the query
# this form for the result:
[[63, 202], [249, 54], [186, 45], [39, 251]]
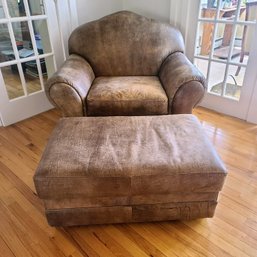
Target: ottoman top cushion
[[128, 147]]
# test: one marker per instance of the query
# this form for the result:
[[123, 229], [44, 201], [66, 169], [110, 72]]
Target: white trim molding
[[183, 16], [252, 110], [67, 17]]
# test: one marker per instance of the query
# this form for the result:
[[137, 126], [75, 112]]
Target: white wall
[[66, 10], [183, 16], [252, 112], [252, 62], [159, 10], [89, 10]]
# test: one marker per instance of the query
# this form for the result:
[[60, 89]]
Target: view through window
[[25, 48], [223, 43]]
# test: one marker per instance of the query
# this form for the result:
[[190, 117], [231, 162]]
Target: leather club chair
[[126, 64]]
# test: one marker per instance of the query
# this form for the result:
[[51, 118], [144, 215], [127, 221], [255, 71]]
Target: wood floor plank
[[179, 245], [240, 246], [143, 243], [98, 246], [12, 236], [189, 242], [171, 238], [84, 246], [116, 247], [201, 239], [154, 239], [5, 250], [232, 232], [239, 234], [219, 240], [121, 238]]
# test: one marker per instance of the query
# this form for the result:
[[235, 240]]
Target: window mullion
[[15, 49], [34, 44], [231, 47], [213, 40]]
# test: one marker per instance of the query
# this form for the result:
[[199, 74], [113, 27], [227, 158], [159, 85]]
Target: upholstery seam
[[53, 99], [176, 52], [111, 101], [92, 177], [70, 85], [199, 100], [194, 78], [179, 88], [129, 205]]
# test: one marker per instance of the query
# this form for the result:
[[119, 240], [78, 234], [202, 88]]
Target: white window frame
[[36, 57], [30, 104], [228, 61]]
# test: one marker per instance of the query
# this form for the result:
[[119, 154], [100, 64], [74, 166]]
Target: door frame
[[29, 105], [228, 106], [225, 105]]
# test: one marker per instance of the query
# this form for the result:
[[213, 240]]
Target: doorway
[[224, 53], [27, 58]]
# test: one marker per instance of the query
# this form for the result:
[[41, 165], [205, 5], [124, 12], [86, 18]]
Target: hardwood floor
[[232, 232]]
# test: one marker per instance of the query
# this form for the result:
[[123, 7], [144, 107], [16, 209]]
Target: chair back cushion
[[125, 44]]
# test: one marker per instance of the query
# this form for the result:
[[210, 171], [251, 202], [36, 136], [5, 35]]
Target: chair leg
[[242, 54], [243, 41]]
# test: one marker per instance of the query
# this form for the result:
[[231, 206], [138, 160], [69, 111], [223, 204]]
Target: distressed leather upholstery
[[183, 83], [128, 169], [68, 88], [125, 44], [143, 95]]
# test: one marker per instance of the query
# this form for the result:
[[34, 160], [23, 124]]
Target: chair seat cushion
[[127, 95]]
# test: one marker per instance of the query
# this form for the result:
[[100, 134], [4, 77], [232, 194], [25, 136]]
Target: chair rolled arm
[[184, 84], [69, 86]]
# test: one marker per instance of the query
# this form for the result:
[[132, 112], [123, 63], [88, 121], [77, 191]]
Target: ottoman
[[100, 170]]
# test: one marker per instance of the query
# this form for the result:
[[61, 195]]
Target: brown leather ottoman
[[99, 170]]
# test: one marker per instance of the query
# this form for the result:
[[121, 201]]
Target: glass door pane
[[2, 14], [23, 39], [25, 45], [6, 49], [36, 7], [32, 77], [16, 8], [26, 56], [216, 78], [227, 53], [12, 81], [208, 9], [42, 38], [234, 81], [204, 38]]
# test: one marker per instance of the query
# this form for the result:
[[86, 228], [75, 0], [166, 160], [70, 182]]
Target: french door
[[29, 54], [226, 53]]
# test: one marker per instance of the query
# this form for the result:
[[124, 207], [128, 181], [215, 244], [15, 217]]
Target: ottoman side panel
[[73, 187], [88, 202], [125, 214], [173, 211], [192, 182], [87, 216]]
